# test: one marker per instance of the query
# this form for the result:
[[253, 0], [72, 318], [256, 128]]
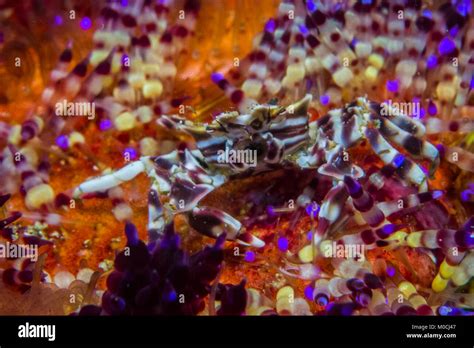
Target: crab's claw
[[213, 222], [110, 180]]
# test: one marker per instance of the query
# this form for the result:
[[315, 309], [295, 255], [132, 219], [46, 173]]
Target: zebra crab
[[280, 137]]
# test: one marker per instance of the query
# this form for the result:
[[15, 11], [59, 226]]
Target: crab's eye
[[256, 124]]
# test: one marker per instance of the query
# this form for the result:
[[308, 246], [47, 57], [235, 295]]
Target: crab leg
[[190, 186], [414, 145], [408, 124], [337, 167], [156, 217], [364, 203], [371, 236], [375, 215], [352, 269], [405, 167], [107, 181], [180, 176], [183, 183], [213, 222], [342, 125], [380, 227], [330, 211]]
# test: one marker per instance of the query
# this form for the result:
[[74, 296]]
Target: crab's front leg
[[108, 181], [180, 177], [213, 222], [157, 220], [328, 161], [186, 180], [331, 209], [156, 216]]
